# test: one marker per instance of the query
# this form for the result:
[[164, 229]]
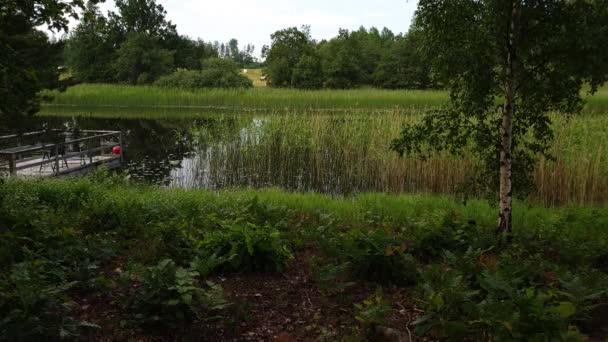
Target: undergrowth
[[59, 238]]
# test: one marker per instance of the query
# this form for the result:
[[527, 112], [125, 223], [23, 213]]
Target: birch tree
[[507, 64]]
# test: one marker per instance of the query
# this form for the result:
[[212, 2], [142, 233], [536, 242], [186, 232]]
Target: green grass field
[[254, 75], [95, 96], [256, 99]]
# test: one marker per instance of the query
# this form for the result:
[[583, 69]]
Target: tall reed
[[350, 153]]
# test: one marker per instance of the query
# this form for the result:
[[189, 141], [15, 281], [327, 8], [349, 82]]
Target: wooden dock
[[68, 153]]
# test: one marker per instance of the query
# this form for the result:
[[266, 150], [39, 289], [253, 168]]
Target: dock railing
[[85, 144]]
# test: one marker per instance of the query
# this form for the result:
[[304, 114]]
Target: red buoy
[[116, 149]]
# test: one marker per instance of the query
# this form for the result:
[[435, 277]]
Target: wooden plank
[[40, 147], [102, 160], [74, 164], [25, 149]]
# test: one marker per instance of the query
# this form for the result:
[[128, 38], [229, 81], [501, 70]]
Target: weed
[[247, 246], [167, 294], [379, 256], [35, 305], [331, 278], [373, 310]]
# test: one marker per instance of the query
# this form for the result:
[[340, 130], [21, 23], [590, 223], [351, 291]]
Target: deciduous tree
[[507, 64], [287, 47], [140, 59]]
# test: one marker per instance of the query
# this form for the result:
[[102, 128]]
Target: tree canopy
[[141, 59], [28, 59], [137, 44], [353, 58]]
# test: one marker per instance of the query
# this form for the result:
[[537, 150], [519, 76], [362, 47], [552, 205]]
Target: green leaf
[[565, 309], [437, 300], [187, 298]]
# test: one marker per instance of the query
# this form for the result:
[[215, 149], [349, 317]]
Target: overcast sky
[[252, 21]]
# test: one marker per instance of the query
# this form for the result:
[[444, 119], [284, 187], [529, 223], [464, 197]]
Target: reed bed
[[350, 154], [155, 102]]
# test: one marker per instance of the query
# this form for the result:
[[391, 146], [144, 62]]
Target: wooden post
[[12, 165], [57, 159], [120, 145], [91, 145]]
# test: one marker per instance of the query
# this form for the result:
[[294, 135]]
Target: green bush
[[166, 294], [249, 247], [35, 304], [373, 310], [505, 300], [216, 73], [59, 239], [379, 256], [331, 278], [453, 235]]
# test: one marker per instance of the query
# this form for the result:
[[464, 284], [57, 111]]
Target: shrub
[[248, 247], [331, 278], [216, 73], [447, 301], [379, 256], [35, 305], [507, 301], [168, 294], [453, 235], [373, 310]]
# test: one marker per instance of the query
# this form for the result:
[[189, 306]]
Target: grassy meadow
[[254, 75], [256, 99], [260, 99]]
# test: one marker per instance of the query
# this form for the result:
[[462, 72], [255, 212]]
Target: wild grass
[[350, 153], [254, 75], [256, 99], [140, 99], [126, 199]]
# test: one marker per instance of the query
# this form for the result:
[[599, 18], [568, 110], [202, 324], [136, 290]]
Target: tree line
[[138, 45], [365, 57]]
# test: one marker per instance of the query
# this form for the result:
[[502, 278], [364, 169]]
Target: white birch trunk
[[506, 158]]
